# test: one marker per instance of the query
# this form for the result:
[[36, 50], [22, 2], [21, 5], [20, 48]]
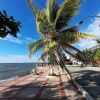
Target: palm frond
[[72, 35], [50, 56], [41, 22], [40, 16], [70, 29], [50, 46], [86, 35], [48, 50], [67, 45], [35, 46], [43, 56], [32, 6], [51, 10], [67, 10]]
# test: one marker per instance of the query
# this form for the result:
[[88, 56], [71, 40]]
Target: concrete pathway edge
[[81, 90]]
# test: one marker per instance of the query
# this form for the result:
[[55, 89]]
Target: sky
[[16, 50]]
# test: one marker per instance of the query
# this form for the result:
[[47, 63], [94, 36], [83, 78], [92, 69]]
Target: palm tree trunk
[[61, 63], [51, 70]]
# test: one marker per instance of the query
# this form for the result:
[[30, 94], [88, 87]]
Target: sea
[[12, 70]]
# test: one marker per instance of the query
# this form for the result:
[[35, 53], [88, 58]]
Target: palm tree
[[53, 23]]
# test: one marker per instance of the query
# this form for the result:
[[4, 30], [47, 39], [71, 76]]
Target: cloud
[[17, 59], [19, 40], [28, 38], [19, 35], [12, 39], [93, 28], [87, 43]]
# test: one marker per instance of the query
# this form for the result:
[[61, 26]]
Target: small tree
[[96, 57], [8, 25]]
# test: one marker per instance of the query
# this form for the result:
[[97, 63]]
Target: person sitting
[[38, 73], [34, 71]]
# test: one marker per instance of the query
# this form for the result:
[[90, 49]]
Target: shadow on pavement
[[89, 80], [30, 91]]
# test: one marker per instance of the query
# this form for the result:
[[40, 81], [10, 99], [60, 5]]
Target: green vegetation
[[8, 25], [88, 54], [92, 56], [57, 36], [98, 41], [97, 55]]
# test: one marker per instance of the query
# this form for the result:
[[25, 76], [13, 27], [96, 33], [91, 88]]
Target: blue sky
[[15, 50]]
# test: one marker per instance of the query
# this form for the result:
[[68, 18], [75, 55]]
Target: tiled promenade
[[40, 87]]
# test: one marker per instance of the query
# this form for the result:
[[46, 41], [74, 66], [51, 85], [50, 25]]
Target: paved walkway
[[88, 78], [40, 87]]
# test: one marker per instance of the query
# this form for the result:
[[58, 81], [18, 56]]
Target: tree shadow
[[33, 91], [89, 80], [28, 91]]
